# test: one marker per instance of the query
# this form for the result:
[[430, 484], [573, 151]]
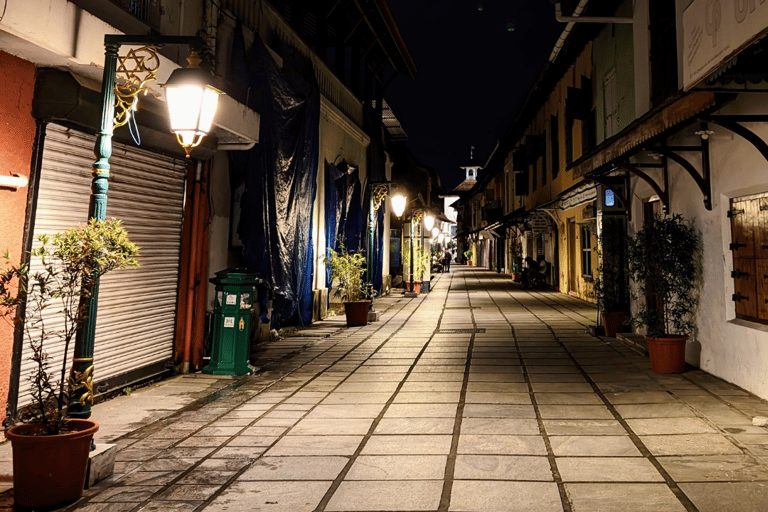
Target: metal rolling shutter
[[137, 306]]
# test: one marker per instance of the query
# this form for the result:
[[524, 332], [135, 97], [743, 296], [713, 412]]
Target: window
[[544, 160], [568, 139], [586, 251], [611, 105], [749, 247], [554, 142]]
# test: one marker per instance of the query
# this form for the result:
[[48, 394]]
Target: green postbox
[[232, 315]]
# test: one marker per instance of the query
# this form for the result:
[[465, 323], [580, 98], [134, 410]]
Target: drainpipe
[[578, 18], [193, 263]]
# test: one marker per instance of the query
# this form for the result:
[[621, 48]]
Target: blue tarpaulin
[[280, 175]]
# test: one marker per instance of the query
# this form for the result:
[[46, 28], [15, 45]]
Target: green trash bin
[[232, 317]]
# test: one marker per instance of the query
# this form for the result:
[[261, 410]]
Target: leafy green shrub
[[348, 269], [72, 262], [663, 261]]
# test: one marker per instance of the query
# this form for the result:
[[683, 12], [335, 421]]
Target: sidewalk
[[478, 396]]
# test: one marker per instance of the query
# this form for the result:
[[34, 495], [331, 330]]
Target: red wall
[[17, 135]]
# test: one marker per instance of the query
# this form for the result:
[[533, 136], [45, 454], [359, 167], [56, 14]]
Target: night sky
[[473, 74]]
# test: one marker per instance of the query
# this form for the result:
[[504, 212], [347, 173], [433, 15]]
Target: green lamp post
[[192, 105]]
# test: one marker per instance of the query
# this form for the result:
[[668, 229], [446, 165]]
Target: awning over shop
[[654, 123]]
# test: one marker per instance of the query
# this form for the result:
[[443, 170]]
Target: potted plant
[[516, 252], [348, 269], [469, 255], [663, 262], [421, 260], [50, 450], [611, 286]]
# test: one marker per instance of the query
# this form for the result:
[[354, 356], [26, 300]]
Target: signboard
[[716, 30]]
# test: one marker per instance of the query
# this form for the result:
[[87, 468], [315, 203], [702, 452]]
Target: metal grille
[[459, 331]]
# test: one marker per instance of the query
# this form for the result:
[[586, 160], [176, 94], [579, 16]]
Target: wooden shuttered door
[[137, 306], [749, 247]]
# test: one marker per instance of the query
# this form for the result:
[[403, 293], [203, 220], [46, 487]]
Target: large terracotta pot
[[517, 277], [357, 312], [667, 354], [613, 321], [50, 470]]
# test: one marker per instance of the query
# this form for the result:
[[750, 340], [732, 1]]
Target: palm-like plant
[[348, 269]]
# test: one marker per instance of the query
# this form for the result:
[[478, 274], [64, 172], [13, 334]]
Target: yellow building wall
[[570, 276]]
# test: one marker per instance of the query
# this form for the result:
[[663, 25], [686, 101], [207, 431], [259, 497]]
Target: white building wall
[[732, 349], [340, 139]]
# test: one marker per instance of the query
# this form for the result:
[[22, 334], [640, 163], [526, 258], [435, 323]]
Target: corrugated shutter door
[[137, 306]]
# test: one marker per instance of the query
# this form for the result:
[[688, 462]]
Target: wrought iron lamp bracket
[[378, 194], [134, 70]]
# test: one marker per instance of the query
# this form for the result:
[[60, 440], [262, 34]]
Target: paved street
[[477, 397]]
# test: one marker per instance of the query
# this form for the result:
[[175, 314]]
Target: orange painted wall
[[17, 135]]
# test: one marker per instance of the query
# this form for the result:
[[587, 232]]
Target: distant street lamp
[[435, 231], [398, 204], [192, 106], [429, 221]]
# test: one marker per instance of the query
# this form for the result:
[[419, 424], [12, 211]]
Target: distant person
[[447, 261], [532, 267]]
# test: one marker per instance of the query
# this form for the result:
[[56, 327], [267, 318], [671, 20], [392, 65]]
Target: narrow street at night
[[479, 396]]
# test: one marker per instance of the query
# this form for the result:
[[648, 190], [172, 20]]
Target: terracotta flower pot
[[416, 286], [517, 277], [357, 312], [613, 321], [50, 470], [667, 354]]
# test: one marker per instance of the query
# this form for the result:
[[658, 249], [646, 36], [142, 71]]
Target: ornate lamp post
[[378, 194], [399, 203], [192, 105]]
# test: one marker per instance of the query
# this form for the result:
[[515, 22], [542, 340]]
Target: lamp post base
[[374, 316]]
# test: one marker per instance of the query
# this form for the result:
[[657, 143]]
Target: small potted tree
[[516, 252], [421, 261], [663, 262], [469, 256], [347, 268], [50, 450], [611, 286]]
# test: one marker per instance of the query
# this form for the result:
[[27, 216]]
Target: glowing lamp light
[[435, 231], [429, 221], [191, 103], [398, 204], [440, 238]]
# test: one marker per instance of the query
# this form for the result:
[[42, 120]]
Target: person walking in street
[[447, 261]]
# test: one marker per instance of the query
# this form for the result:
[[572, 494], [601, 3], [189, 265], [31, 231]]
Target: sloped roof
[[465, 185]]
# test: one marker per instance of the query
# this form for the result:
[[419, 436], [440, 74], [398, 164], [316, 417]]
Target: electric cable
[[133, 128], [5, 6]]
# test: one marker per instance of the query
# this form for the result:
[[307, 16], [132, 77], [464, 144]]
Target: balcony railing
[[147, 11]]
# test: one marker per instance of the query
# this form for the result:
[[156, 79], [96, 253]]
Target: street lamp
[[429, 221], [398, 204], [192, 105]]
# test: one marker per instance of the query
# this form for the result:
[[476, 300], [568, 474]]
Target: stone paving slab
[[533, 414]]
